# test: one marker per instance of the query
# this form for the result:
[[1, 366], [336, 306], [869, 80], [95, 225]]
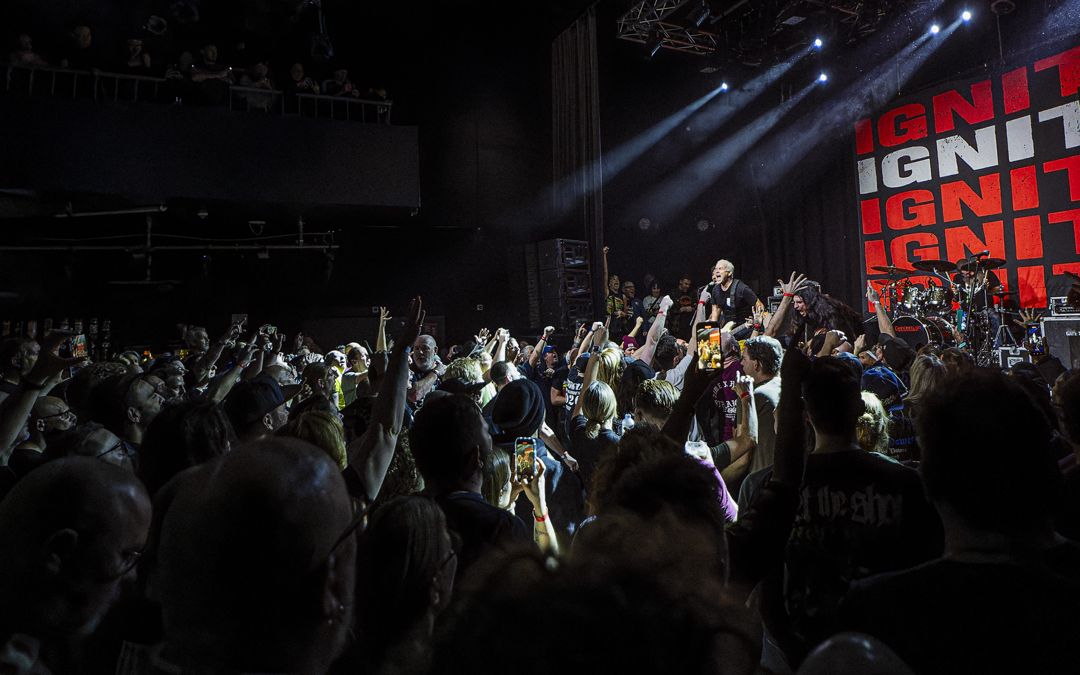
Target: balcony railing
[[124, 88]]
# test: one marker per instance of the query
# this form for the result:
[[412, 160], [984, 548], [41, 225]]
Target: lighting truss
[[660, 16]]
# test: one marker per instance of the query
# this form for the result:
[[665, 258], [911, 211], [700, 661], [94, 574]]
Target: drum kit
[[943, 312]]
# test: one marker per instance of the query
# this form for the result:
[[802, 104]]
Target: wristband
[[540, 518], [701, 302], [744, 394], [757, 326], [789, 295]]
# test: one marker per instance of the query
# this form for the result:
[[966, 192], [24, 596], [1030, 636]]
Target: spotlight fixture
[[653, 43], [966, 16], [704, 225], [644, 224], [823, 78], [699, 15], [935, 29], [723, 86], [818, 44]]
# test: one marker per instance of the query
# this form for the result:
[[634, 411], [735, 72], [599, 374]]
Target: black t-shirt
[[481, 526], [565, 501], [588, 451], [948, 616], [679, 319], [860, 513], [736, 303]]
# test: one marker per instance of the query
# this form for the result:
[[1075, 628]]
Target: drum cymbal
[[1002, 294], [892, 269], [980, 264], [933, 265]]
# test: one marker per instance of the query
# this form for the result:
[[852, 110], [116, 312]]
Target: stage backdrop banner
[[990, 165]]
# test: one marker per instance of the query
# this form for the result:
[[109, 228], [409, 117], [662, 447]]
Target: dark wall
[[154, 153]]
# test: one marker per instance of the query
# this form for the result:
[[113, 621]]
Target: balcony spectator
[[137, 61], [178, 84], [80, 53], [212, 78], [340, 85], [299, 82], [258, 77], [24, 54]]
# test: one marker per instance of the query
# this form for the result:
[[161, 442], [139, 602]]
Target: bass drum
[[928, 330]]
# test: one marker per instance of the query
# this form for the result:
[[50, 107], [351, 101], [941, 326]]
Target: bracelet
[[757, 326], [701, 302], [789, 295], [540, 518], [745, 394]]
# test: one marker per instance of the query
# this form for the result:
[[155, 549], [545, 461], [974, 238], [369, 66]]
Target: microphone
[[981, 254]]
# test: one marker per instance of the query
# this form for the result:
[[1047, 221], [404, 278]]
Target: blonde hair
[[598, 407], [322, 429], [468, 369], [927, 374], [611, 367], [872, 427]]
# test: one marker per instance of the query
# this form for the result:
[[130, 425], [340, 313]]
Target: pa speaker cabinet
[[1062, 335]]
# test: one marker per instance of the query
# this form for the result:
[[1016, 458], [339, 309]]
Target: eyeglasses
[[360, 509], [129, 452], [66, 413]]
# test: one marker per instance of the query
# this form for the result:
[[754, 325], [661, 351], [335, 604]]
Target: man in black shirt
[[732, 300], [450, 440], [1003, 597]]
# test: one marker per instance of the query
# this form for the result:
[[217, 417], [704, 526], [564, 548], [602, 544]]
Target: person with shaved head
[[70, 532], [257, 562]]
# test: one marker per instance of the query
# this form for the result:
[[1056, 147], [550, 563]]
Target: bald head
[[250, 555], [70, 531]]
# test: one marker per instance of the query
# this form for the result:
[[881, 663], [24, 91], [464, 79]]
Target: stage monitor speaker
[[1062, 335]]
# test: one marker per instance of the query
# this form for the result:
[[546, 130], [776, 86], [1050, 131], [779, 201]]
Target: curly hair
[[467, 369]]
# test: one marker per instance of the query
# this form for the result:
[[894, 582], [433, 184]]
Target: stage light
[[935, 29], [966, 16], [653, 43], [723, 86], [823, 78], [818, 43]]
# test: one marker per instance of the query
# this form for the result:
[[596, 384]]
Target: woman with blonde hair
[[320, 428], [592, 420]]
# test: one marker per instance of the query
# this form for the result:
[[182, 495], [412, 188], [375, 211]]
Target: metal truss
[[647, 16]]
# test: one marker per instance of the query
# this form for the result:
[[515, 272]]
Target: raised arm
[[39, 381], [795, 283], [370, 455], [646, 352], [380, 335], [502, 336], [220, 387], [540, 345], [883, 321], [743, 443], [590, 373], [637, 327]]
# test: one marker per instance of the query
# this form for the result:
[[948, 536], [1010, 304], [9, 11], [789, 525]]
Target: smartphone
[[525, 459], [78, 346], [710, 354]]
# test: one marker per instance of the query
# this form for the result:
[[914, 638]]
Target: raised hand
[[384, 315], [50, 364], [860, 344], [871, 294], [665, 303], [795, 282], [1028, 317], [414, 323], [744, 386]]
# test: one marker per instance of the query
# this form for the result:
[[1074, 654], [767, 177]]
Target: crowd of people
[[683, 485], [201, 74]]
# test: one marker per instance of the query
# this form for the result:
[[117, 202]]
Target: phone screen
[[710, 352], [525, 459], [78, 346]]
